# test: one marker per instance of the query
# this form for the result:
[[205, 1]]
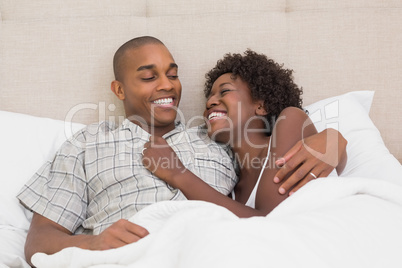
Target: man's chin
[[164, 122]]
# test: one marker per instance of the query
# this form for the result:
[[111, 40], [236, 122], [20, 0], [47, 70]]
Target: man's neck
[[156, 130]]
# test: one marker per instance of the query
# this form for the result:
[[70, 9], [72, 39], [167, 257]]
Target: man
[[97, 181]]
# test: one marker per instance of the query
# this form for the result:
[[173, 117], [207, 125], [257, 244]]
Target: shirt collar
[[128, 125]]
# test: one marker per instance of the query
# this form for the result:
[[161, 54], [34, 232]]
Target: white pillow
[[12, 247], [26, 142], [367, 154]]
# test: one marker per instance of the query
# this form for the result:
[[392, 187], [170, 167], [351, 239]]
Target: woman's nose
[[212, 101]]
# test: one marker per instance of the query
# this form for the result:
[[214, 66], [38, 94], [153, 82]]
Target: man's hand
[[120, 233], [310, 158], [49, 237]]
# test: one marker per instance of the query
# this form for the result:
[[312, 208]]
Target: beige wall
[[55, 56]]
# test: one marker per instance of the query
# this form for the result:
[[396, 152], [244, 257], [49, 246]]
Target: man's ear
[[118, 90], [260, 109]]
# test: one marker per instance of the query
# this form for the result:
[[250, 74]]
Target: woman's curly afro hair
[[267, 80]]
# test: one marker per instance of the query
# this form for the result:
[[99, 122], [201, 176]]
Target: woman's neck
[[250, 152]]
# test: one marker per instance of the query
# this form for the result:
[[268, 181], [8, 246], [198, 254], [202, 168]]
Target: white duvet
[[331, 222]]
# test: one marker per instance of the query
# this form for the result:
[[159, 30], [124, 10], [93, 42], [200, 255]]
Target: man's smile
[[165, 102]]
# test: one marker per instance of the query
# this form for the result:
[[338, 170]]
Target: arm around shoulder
[[316, 154]]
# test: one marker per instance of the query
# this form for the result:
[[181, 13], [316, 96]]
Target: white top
[[251, 199]]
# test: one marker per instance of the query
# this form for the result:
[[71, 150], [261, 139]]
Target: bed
[[55, 74]]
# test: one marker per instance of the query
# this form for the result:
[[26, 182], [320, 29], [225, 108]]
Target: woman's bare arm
[[292, 125], [196, 189]]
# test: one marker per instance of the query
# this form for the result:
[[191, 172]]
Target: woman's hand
[[160, 159], [310, 158]]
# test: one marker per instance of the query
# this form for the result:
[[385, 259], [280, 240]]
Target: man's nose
[[165, 83]]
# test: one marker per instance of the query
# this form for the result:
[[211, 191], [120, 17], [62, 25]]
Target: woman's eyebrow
[[225, 83]]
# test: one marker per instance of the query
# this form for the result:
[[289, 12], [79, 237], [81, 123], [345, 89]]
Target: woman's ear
[[260, 109], [118, 90]]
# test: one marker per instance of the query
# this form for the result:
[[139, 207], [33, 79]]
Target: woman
[[253, 106]]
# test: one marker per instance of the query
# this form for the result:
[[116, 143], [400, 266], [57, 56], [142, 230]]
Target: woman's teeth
[[216, 115]]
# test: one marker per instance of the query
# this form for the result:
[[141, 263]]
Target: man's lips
[[165, 102]]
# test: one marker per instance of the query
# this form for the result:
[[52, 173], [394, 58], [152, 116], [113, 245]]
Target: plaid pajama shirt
[[97, 176]]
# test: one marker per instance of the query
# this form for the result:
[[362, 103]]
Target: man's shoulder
[[198, 136], [199, 132], [91, 133], [99, 127]]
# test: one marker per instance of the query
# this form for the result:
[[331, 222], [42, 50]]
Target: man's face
[[151, 87]]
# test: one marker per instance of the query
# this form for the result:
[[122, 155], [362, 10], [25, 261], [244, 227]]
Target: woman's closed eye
[[224, 91]]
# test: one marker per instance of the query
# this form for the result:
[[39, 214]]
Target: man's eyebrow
[[146, 67], [151, 66]]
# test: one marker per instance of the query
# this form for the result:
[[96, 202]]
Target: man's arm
[[320, 153], [49, 237]]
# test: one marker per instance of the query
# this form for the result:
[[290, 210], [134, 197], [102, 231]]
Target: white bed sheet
[[332, 222]]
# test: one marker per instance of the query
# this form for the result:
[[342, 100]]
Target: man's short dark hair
[[118, 62]]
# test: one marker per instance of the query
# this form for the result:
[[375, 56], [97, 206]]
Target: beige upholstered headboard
[[56, 56]]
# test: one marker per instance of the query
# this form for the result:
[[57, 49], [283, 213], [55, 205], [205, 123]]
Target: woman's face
[[230, 110]]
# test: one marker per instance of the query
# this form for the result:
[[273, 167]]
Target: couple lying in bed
[[104, 174]]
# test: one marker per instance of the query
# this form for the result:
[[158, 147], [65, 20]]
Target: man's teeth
[[216, 114], [164, 101]]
